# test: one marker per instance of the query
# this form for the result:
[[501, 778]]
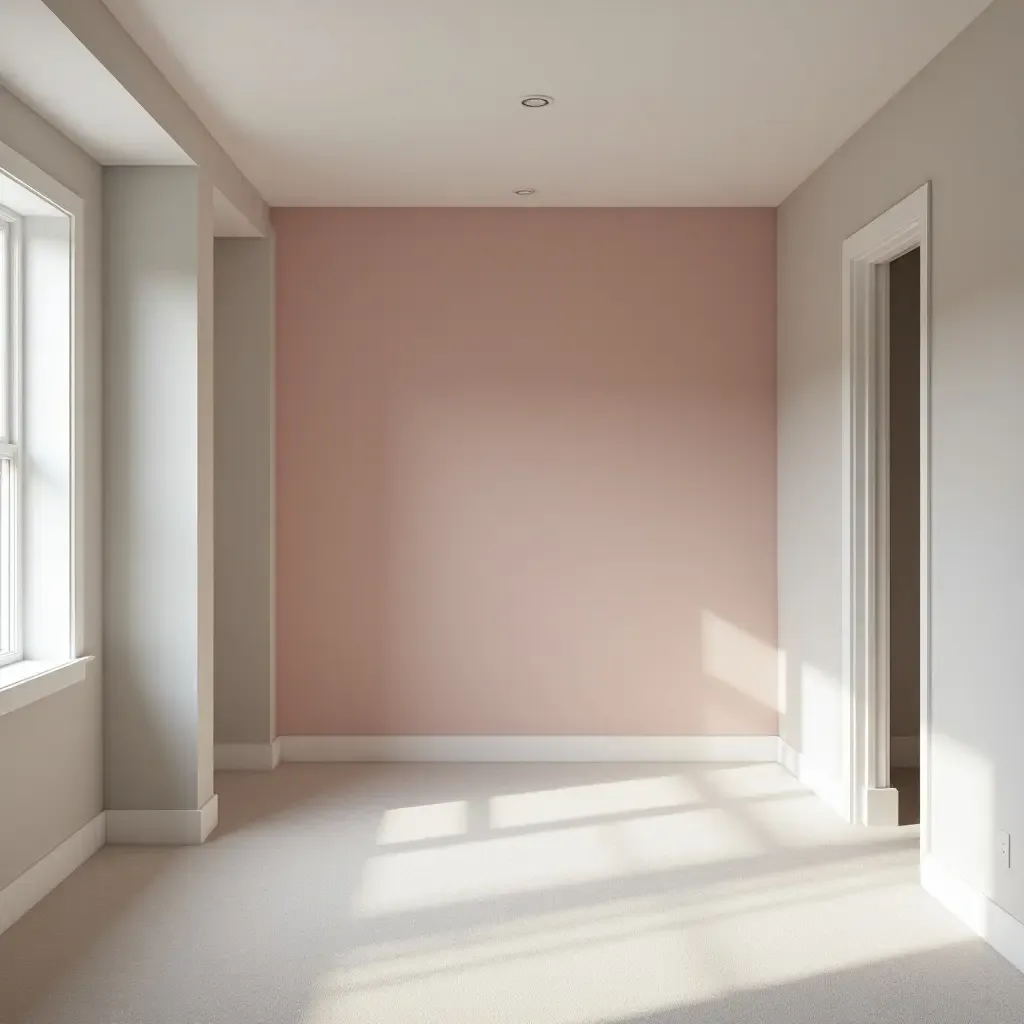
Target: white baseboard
[[247, 757], [1003, 932], [162, 828], [825, 786], [530, 748], [905, 751], [21, 895]]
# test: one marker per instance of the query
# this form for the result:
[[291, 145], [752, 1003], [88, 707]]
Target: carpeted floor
[[515, 894]]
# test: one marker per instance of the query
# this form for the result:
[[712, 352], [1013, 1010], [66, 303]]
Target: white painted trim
[[905, 751], [209, 815], [865, 683], [247, 757], [12, 352], [882, 807], [21, 895], [38, 181], [825, 786], [162, 828], [114, 49], [735, 749], [1003, 932], [60, 576], [25, 682]]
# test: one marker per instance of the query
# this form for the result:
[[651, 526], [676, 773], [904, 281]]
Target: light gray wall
[[244, 489], [158, 433], [204, 427], [904, 494], [51, 759], [51, 754], [958, 124]]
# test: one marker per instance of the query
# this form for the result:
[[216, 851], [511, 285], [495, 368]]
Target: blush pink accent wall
[[526, 471]]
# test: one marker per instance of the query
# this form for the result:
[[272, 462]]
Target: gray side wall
[[957, 124], [244, 489]]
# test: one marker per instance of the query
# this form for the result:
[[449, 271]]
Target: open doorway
[[886, 360], [904, 499]]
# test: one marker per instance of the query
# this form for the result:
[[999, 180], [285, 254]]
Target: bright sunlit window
[[10, 351], [41, 425]]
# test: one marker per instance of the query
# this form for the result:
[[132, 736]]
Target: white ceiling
[[43, 64], [47, 67], [657, 102]]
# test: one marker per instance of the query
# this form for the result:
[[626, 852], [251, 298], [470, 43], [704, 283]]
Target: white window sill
[[25, 682]]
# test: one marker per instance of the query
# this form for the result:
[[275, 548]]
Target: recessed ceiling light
[[536, 101], [526, 191]]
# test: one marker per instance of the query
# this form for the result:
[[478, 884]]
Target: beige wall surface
[[957, 124]]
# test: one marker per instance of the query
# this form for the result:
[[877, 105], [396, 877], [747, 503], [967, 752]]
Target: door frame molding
[[865, 532]]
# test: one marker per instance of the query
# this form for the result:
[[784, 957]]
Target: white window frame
[[11, 339], [57, 594]]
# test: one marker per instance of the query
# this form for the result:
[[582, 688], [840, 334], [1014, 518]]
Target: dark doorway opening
[[905, 532]]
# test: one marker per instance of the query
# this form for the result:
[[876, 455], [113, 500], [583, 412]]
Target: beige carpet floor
[[516, 894]]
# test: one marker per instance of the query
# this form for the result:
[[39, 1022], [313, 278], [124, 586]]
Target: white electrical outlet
[[1004, 849]]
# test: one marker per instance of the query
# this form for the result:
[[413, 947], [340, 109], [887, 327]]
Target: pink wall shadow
[[526, 471]]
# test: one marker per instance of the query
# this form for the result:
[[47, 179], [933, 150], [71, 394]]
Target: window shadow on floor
[[963, 982]]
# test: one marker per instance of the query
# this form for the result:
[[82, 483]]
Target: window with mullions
[[10, 351]]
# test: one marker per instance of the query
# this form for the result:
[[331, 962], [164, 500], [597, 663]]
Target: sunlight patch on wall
[[963, 815], [733, 656], [782, 677], [821, 720]]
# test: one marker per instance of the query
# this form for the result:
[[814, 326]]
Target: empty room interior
[[511, 512]]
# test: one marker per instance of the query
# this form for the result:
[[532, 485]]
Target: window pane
[[6, 325], [7, 565]]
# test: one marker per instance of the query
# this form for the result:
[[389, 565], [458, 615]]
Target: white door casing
[[865, 678]]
